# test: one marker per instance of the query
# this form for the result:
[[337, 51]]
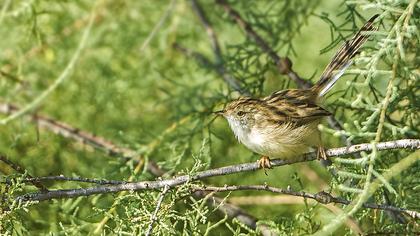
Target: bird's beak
[[219, 113]]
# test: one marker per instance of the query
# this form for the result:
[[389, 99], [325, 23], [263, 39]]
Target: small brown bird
[[284, 124]]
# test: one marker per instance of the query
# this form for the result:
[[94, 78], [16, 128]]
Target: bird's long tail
[[343, 59]]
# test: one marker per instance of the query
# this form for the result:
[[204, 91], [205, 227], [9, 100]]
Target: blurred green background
[[130, 84]]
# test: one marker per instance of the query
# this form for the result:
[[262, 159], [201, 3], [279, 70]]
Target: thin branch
[[284, 65], [321, 197], [219, 64], [153, 218], [21, 170], [227, 170], [74, 179], [198, 10]]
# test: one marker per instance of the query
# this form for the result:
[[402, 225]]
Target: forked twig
[[153, 218]]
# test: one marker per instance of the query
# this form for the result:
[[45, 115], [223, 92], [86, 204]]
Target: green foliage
[[132, 87]]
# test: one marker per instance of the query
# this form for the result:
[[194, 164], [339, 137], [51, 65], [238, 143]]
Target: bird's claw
[[321, 154], [264, 163]]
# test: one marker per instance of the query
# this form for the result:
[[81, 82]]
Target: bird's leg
[[321, 154], [264, 162]]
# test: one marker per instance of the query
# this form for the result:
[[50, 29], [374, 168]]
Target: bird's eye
[[240, 113]]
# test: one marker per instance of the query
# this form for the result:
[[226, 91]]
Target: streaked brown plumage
[[284, 124]]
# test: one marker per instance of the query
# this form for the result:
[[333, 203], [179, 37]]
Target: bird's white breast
[[280, 141], [251, 138]]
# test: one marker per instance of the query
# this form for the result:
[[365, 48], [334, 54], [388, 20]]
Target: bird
[[285, 124]]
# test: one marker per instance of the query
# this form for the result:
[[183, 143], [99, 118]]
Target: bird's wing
[[295, 105]]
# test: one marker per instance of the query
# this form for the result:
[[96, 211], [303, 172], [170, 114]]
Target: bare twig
[[219, 64], [21, 170], [74, 179], [153, 218], [321, 197], [227, 170]]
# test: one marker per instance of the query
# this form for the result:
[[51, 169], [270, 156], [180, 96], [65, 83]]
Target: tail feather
[[342, 59]]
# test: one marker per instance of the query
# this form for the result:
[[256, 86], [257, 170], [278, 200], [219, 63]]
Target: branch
[[230, 210], [284, 65], [153, 218], [227, 170], [21, 170], [321, 197], [219, 64], [74, 179]]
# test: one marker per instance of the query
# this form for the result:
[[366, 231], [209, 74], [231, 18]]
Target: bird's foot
[[321, 154], [264, 163]]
